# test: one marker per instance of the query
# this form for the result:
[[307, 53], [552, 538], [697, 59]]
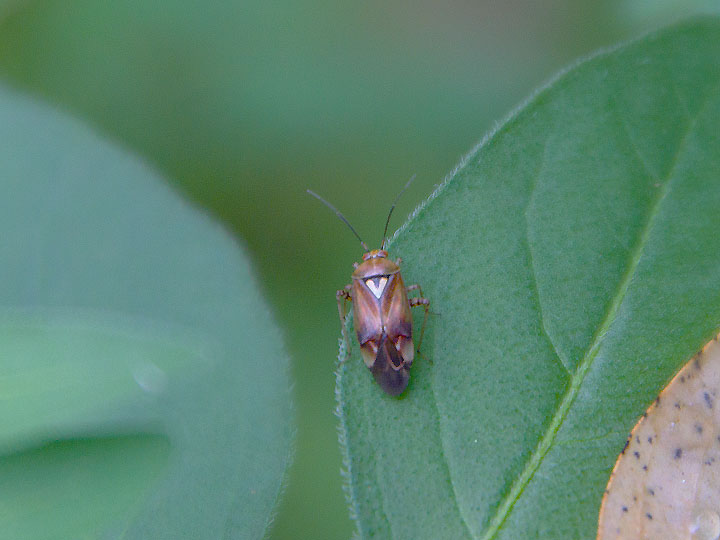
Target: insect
[[381, 311]]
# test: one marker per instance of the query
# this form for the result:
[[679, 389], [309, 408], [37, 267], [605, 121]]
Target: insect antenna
[[387, 222], [339, 214]]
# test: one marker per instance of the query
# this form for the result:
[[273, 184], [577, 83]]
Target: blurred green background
[[244, 105]]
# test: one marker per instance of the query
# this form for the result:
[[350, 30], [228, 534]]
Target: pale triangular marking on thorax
[[376, 285]]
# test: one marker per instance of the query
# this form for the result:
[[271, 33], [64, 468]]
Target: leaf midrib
[[547, 439]]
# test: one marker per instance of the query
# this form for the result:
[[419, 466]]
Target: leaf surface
[[573, 263]]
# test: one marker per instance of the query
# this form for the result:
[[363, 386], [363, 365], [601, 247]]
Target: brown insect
[[381, 311]]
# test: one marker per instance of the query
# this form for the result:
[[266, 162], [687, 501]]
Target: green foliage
[[245, 104], [144, 388], [572, 261]]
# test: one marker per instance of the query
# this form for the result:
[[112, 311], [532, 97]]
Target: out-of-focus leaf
[[143, 382], [574, 265]]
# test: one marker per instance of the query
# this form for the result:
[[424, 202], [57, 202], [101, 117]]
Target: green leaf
[[574, 265], [143, 383]]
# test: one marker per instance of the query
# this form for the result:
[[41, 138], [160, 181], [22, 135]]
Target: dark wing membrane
[[389, 369]]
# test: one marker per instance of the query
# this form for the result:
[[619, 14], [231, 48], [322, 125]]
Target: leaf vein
[[548, 438], [622, 123], [536, 289], [443, 451]]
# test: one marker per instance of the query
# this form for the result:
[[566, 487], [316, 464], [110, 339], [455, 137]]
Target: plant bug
[[381, 310]]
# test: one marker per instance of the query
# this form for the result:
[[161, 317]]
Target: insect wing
[[367, 317], [389, 368], [396, 308], [398, 319], [367, 320]]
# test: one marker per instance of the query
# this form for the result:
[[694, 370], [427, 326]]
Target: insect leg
[[343, 295], [414, 302], [415, 287]]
